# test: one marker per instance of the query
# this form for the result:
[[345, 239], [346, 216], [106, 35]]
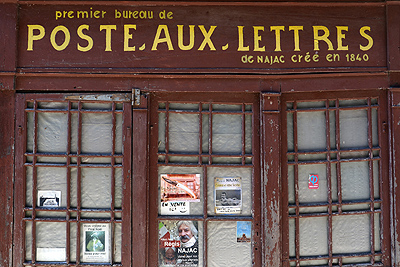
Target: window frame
[[383, 137], [154, 218]]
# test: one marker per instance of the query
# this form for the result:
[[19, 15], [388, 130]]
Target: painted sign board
[[203, 38]]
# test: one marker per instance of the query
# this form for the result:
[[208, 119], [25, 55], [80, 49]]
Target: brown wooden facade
[[274, 60]]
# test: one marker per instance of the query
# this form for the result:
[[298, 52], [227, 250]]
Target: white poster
[[228, 195], [96, 242], [48, 198]]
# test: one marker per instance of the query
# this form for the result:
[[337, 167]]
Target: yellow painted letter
[[32, 37], [241, 40], [366, 36], [296, 30], [207, 37], [341, 36], [84, 37], [67, 38], [128, 36], [324, 37], [257, 38], [180, 37], [278, 30], [166, 39], [108, 29]]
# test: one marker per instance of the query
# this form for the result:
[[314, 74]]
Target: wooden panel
[[7, 100], [8, 42], [213, 37]]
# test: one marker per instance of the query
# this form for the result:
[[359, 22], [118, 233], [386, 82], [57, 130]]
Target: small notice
[[97, 238], [313, 181], [243, 231], [178, 243], [180, 187], [228, 195], [175, 208], [48, 198]]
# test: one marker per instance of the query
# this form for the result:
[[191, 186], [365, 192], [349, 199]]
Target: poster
[[96, 242], [180, 187], [243, 231], [178, 243], [48, 198], [228, 195]]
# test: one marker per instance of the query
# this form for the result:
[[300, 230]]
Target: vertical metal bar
[[210, 133], [205, 216], [78, 184], [113, 136], [243, 133], [34, 180], [68, 215], [338, 167], [200, 160], [167, 132], [296, 185], [371, 182], [329, 180]]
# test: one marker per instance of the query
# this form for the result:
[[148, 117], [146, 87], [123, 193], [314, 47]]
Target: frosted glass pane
[[290, 136], [353, 128], [96, 133], [311, 130], [355, 180], [50, 241], [96, 188], [223, 247], [351, 234], [184, 133], [117, 243], [118, 188], [52, 132], [118, 133], [227, 134], [53, 179], [161, 132], [314, 236]]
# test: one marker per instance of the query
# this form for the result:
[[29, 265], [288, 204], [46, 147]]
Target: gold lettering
[[296, 30], [67, 38], [366, 36], [241, 40], [341, 36], [207, 37], [278, 30], [166, 39], [324, 37], [84, 37], [108, 29], [257, 38], [180, 37], [32, 37], [128, 36]]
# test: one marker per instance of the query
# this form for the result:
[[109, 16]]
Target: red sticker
[[313, 181]]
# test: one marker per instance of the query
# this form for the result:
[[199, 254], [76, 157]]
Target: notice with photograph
[[180, 187], [178, 243], [47, 198], [243, 231], [96, 242], [228, 195]]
